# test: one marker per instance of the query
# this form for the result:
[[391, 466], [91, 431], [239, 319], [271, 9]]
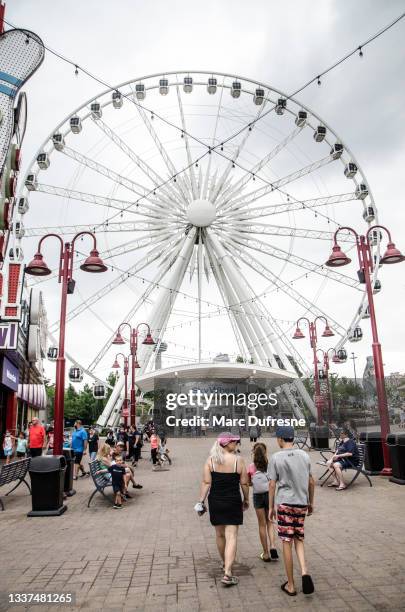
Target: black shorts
[[117, 488], [261, 500], [344, 463], [78, 457], [20, 454]]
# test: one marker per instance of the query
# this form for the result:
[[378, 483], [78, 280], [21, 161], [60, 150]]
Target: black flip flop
[[283, 588], [307, 585]]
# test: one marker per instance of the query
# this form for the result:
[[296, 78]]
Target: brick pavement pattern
[[157, 554]]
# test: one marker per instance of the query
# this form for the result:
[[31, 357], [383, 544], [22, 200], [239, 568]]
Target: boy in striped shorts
[[291, 488]]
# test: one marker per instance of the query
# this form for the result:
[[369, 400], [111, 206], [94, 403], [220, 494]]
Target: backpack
[[260, 482]]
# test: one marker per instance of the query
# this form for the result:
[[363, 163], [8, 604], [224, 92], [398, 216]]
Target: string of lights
[[220, 309], [358, 49]]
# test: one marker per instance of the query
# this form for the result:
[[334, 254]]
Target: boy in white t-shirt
[[292, 490]]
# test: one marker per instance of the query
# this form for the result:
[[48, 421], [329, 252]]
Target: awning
[[34, 395]]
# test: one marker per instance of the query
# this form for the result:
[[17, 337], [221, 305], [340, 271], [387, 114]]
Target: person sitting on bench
[[346, 455]]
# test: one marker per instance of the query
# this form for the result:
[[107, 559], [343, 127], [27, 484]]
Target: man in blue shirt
[[79, 447], [346, 456]]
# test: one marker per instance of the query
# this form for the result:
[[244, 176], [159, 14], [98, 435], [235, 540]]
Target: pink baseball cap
[[226, 437]]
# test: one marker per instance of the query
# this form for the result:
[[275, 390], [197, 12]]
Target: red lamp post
[[38, 267], [392, 255], [327, 333], [326, 364], [116, 365], [133, 345]]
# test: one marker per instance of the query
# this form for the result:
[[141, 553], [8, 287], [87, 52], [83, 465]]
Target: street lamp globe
[[37, 267], [149, 341], [327, 331], [298, 334], [337, 258], [93, 263], [392, 255], [118, 339]]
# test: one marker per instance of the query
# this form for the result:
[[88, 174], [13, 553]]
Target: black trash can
[[68, 485], [312, 434], [396, 445], [319, 436], [47, 475], [373, 458]]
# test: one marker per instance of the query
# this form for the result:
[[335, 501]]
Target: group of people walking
[[32, 441], [283, 495]]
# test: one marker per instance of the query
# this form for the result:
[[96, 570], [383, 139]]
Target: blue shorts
[[8, 452]]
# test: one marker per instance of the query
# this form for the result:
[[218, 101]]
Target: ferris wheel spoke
[[241, 322], [179, 184], [250, 316], [83, 160], [282, 230], [123, 206], [282, 207], [109, 287], [193, 182], [205, 185], [153, 176], [123, 226], [234, 189], [262, 247], [141, 300], [235, 157], [253, 196], [257, 265]]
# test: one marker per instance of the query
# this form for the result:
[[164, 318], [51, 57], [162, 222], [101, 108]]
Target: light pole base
[[56, 512], [399, 481], [386, 471]]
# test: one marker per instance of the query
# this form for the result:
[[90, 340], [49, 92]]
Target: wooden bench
[[358, 467], [14, 472], [102, 481]]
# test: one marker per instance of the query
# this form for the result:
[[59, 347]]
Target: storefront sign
[[9, 375], [8, 336]]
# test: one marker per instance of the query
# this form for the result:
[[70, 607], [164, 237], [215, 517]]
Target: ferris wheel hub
[[201, 213]]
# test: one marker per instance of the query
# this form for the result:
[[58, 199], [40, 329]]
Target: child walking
[[259, 480], [8, 446], [21, 445], [292, 489]]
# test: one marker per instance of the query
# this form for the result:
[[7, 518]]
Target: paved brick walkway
[[156, 554]]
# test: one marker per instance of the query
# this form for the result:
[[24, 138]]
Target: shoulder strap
[[212, 466], [235, 469]]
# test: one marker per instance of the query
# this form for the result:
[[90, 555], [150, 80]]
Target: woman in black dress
[[224, 477]]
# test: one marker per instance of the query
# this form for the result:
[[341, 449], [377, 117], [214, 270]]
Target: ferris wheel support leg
[[297, 383], [241, 321], [229, 266], [292, 402], [242, 344], [160, 313]]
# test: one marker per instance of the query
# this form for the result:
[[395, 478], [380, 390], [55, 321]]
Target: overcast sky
[[280, 43]]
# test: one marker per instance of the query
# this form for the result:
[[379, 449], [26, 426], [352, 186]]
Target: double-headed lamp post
[[327, 333], [392, 255], [326, 362], [116, 366], [133, 345], [37, 267]]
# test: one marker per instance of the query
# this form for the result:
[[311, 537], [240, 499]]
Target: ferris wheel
[[214, 199]]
